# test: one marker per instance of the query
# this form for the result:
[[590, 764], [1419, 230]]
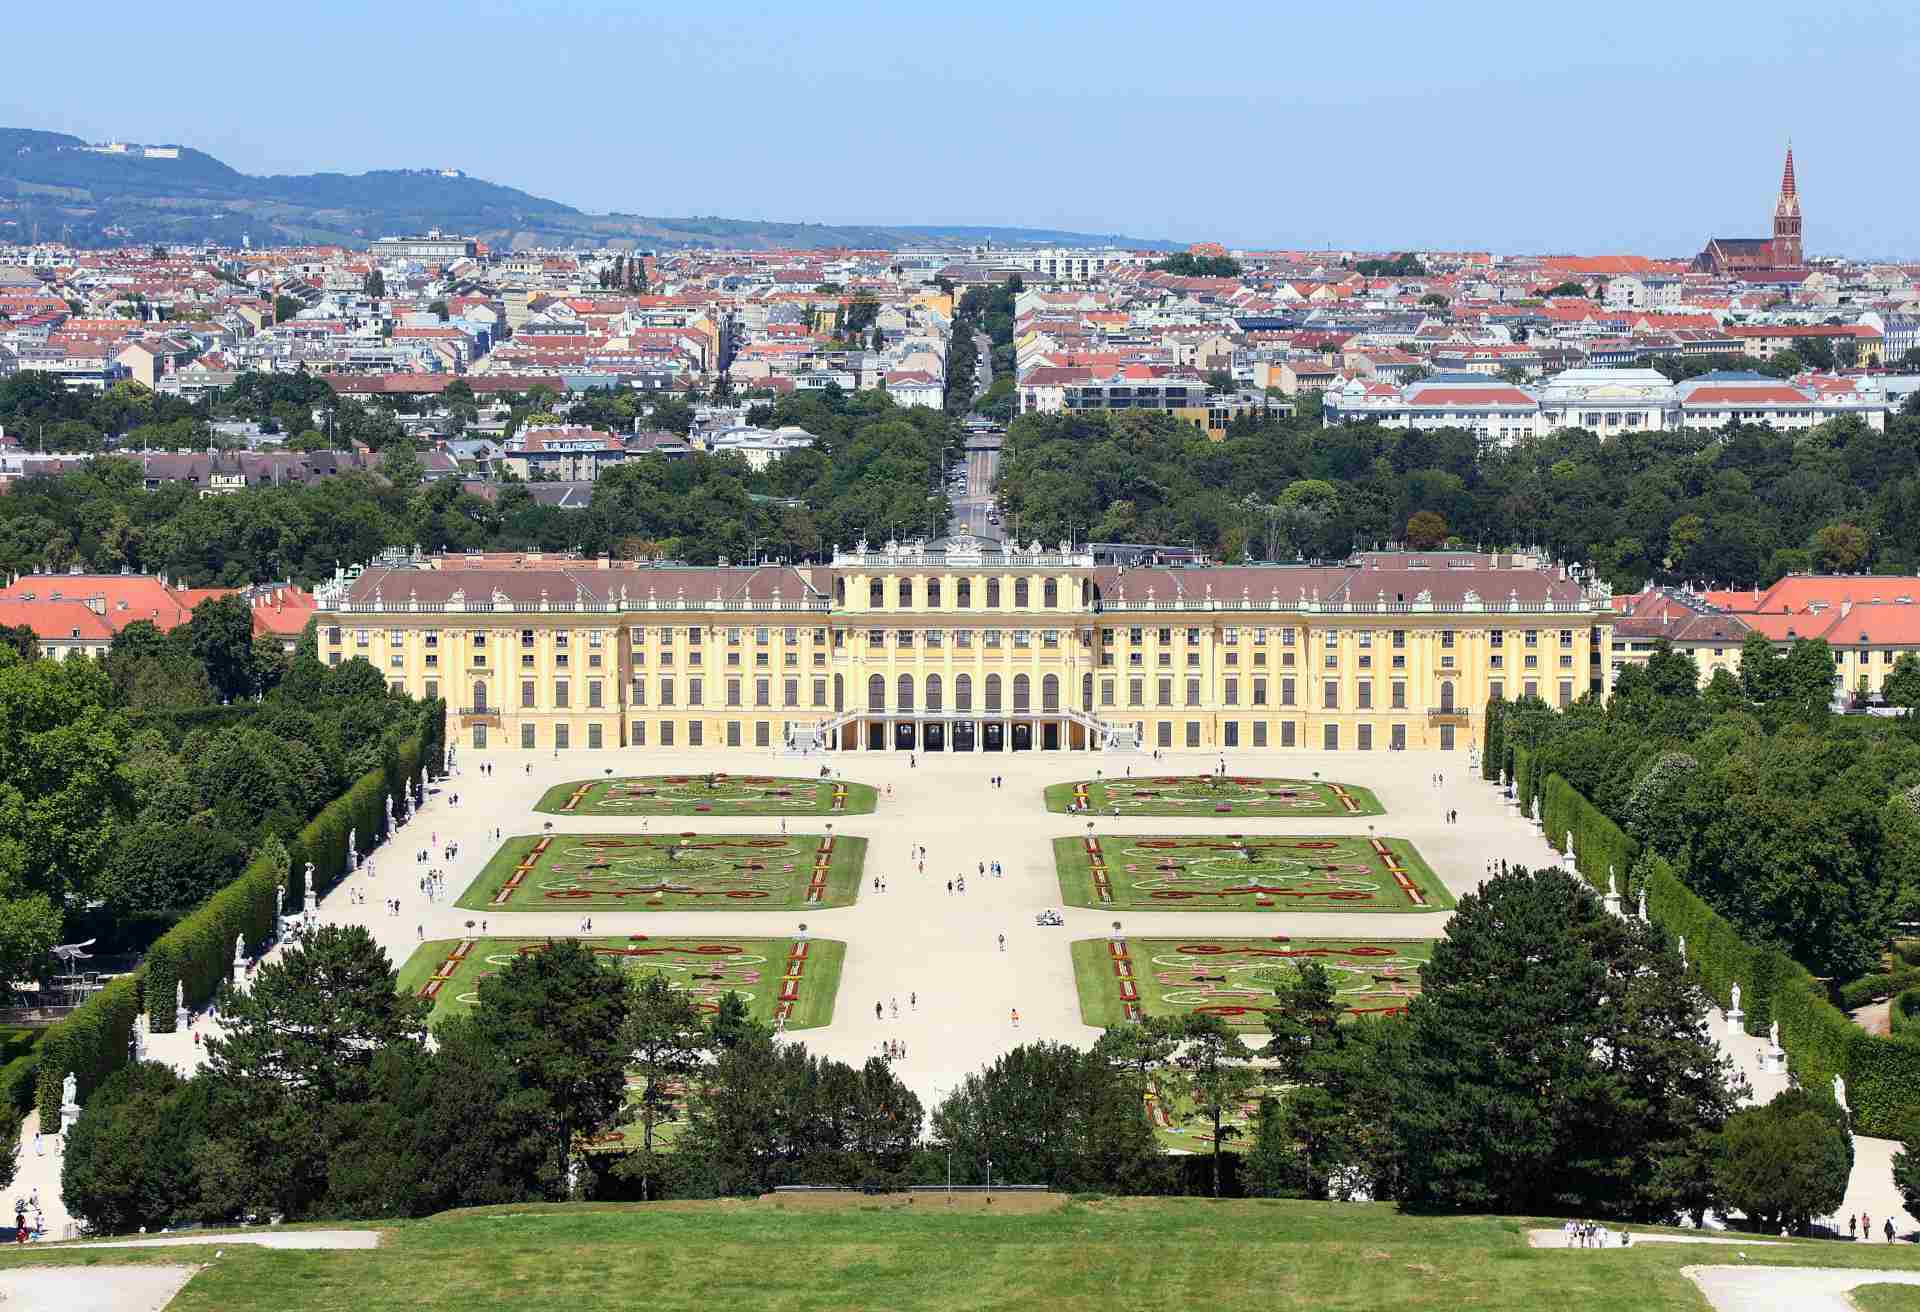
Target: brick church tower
[[1786, 221]]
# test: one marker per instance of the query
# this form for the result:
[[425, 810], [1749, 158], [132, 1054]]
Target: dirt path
[[261, 1238], [1558, 1239]]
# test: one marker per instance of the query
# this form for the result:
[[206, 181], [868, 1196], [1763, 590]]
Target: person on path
[[877, 1013], [896, 1009], [949, 888], [1003, 942], [1015, 1013], [1889, 1229], [913, 1002], [1853, 1227], [420, 933]]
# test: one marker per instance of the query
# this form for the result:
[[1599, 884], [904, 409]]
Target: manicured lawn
[[760, 970], [708, 794], [1086, 1256], [1886, 1298], [1252, 872], [1233, 978], [669, 872], [1214, 796]]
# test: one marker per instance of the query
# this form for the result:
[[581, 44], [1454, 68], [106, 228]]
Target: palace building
[[968, 645], [1730, 257]]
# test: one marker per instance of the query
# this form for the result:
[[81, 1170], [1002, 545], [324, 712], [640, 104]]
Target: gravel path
[[261, 1238], [1788, 1288], [1558, 1239], [93, 1288]]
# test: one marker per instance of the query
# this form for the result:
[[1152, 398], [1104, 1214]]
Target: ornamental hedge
[[1493, 755], [92, 1042], [1859, 992], [1903, 1016], [1523, 782], [1577, 828], [1820, 1040]]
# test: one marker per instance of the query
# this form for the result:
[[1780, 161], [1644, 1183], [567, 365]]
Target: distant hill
[[55, 185]]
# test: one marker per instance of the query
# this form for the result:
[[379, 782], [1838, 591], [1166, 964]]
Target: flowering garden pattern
[[1122, 979], [1209, 795], [1238, 872], [669, 872], [708, 794], [784, 981]]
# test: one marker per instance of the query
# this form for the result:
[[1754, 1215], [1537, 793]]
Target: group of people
[[1861, 1227], [1592, 1234]]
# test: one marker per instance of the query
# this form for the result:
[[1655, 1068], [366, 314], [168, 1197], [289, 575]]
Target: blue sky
[[1626, 127]]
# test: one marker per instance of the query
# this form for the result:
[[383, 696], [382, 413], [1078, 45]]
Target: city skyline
[[1271, 132]]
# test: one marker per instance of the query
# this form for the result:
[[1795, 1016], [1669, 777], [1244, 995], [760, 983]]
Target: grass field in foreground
[[717, 794], [709, 965], [1086, 1256], [1886, 1298], [668, 871], [1252, 872], [1215, 797], [1233, 978]]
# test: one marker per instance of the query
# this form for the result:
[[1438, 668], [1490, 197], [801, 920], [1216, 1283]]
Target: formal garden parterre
[[1122, 979], [1240, 872], [679, 871], [1213, 795], [788, 983], [715, 793]]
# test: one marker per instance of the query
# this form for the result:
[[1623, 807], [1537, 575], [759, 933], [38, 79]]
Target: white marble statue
[[309, 879], [1735, 1010], [70, 1091], [239, 949], [1643, 902], [1773, 1036], [1840, 1091]]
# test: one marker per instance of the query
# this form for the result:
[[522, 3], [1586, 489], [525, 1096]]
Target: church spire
[[1786, 178], [1786, 220]]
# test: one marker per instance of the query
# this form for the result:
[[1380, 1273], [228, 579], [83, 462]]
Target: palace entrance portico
[[934, 732]]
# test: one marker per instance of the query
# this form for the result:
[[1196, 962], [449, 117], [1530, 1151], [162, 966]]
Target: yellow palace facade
[[967, 645]]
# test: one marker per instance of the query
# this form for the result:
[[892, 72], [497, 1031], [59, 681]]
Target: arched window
[[993, 692], [876, 595], [1086, 692], [933, 692], [965, 599], [906, 594], [1049, 693], [1022, 693], [479, 696], [1446, 696], [933, 594], [877, 693], [962, 692], [1019, 594], [993, 594], [1050, 593], [904, 699], [839, 693], [840, 592]]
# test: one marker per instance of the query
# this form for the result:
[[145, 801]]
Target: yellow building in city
[[971, 646]]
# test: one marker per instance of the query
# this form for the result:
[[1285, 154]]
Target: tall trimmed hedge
[[1820, 1040], [1523, 781], [198, 951], [1577, 828], [1859, 992], [92, 1042], [1493, 754]]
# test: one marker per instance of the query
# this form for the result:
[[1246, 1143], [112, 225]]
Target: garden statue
[[179, 995], [70, 1091], [1773, 1036], [1683, 949], [1613, 886], [353, 849], [1840, 1091], [239, 949], [389, 810], [1643, 902], [1735, 1011]]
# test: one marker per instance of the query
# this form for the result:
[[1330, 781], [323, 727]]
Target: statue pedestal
[[1773, 1062], [69, 1113], [1614, 904], [182, 1018], [1736, 1023]]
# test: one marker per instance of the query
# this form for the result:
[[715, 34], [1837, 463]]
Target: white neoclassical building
[[1608, 401]]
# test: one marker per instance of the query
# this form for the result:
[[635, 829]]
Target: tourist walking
[[1003, 942], [1015, 1013]]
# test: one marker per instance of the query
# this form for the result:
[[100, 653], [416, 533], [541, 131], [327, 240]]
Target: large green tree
[[1783, 1164], [556, 1015]]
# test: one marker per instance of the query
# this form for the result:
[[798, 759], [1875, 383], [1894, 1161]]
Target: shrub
[[91, 1042], [1903, 1017], [1859, 992]]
